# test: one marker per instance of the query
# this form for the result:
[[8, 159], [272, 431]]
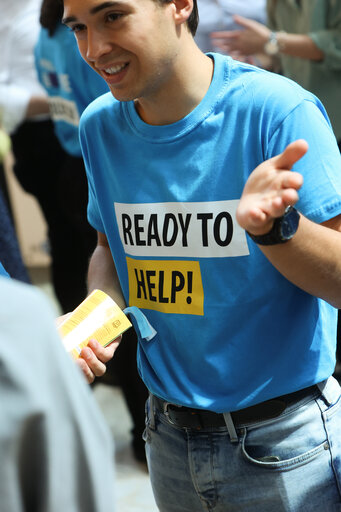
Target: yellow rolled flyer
[[97, 317]]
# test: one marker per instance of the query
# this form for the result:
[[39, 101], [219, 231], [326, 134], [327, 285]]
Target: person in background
[[305, 35], [9, 247], [39, 158], [215, 188], [10, 253], [218, 15], [71, 85], [56, 450]]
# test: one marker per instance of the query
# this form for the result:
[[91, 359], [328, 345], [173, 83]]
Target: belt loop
[[151, 412], [330, 390], [230, 427]]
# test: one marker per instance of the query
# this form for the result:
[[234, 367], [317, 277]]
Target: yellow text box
[[167, 286]]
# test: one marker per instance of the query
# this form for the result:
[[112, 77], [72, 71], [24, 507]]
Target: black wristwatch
[[282, 231]]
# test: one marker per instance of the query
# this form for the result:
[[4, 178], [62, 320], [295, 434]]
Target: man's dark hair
[[193, 20], [51, 14]]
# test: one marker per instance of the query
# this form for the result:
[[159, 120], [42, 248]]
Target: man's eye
[[77, 28], [114, 16]]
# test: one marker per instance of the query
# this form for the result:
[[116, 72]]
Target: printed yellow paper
[[98, 317]]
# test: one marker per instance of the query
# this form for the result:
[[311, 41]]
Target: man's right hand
[[94, 356]]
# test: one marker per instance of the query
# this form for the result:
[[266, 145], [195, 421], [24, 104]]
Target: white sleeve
[[14, 101], [19, 28]]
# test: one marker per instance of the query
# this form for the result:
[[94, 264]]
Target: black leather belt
[[185, 417]]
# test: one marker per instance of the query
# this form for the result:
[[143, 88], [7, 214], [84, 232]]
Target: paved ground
[[133, 490]]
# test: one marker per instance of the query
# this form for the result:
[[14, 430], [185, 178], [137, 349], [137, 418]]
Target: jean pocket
[[287, 442], [271, 458]]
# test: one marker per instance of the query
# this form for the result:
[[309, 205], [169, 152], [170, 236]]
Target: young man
[[191, 190]]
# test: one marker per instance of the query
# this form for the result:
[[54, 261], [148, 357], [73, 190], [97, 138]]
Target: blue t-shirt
[[232, 331], [3, 271], [70, 83]]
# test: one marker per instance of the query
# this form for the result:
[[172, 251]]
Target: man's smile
[[115, 69], [114, 73]]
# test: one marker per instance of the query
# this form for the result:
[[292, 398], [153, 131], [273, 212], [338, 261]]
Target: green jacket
[[321, 20]]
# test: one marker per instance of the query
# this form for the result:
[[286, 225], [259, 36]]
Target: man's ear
[[183, 10]]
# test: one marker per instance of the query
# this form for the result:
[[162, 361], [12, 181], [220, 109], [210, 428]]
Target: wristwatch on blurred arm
[[272, 46], [282, 231]]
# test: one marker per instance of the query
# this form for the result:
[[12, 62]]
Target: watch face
[[289, 223], [271, 47]]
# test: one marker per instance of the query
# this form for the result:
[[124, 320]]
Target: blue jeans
[[291, 463]]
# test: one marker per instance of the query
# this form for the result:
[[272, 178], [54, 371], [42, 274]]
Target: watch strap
[[275, 236], [273, 46]]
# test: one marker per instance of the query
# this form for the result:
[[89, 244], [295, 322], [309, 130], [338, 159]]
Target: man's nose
[[97, 46]]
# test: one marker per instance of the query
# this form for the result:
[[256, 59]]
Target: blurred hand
[[270, 188], [248, 41]]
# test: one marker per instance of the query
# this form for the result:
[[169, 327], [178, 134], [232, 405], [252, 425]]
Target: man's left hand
[[270, 188]]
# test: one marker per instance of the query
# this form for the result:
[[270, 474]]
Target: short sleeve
[[94, 216], [320, 195]]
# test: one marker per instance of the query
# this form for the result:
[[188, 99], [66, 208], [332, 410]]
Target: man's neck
[[190, 83]]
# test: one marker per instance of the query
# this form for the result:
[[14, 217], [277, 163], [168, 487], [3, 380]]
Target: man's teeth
[[115, 69]]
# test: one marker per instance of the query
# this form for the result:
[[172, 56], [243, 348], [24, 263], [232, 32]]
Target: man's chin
[[120, 95]]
